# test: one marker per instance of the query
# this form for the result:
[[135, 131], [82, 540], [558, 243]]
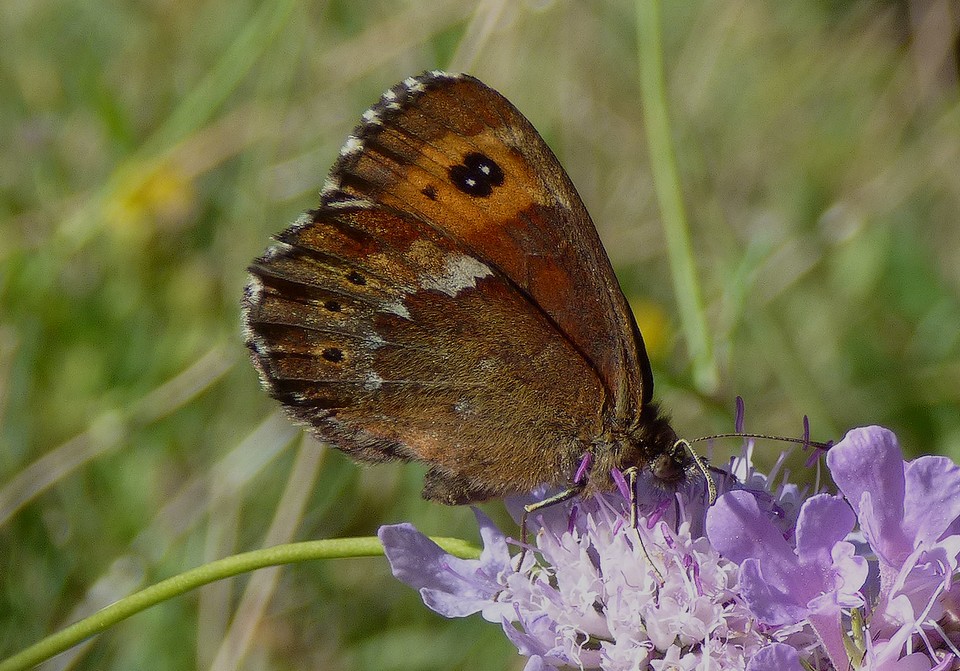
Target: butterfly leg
[[559, 497], [578, 485], [631, 477]]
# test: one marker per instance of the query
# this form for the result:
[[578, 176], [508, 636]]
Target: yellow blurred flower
[[161, 197], [655, 326]]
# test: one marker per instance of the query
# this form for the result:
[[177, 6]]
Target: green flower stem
[[666, 180], [217, 570]]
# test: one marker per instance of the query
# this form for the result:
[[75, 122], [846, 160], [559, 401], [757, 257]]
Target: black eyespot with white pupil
[[477, 175]]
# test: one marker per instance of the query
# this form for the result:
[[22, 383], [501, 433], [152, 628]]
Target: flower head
[[779, 580], [593, 599], [909, 514]]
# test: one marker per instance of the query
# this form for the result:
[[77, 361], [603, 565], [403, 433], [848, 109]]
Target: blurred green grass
[[152, 148]]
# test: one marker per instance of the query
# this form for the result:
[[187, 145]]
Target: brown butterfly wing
[[419, 146], [449, 302], [392, 343]]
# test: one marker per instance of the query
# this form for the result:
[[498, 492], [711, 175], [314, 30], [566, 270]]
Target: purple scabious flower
[[909, 515], [770, 578], [587, 595]]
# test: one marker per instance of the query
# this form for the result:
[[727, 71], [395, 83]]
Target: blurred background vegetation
[[152, 147]]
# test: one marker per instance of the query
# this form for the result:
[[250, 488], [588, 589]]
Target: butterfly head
[[652, 447], [665, 457], [673, 465], [664, 461]]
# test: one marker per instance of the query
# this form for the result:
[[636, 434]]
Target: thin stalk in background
[[666, 180]]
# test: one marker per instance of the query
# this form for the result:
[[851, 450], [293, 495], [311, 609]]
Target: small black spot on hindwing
[[332, 354], [357, 278], [429, 191], [477, 175], [332, 306]]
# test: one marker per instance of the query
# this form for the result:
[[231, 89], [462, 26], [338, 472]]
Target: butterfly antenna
[[701, 466], [806, 442]]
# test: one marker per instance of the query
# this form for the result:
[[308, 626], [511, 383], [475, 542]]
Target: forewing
[[457, 154]]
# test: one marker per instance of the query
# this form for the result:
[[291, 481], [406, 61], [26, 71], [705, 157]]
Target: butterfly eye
[[477, 175]]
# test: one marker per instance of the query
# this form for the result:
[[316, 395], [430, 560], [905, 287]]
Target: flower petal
[[738, 529], [775, 657], [772, 603], [449, 585], [868, 464], [932, 498], [824, 521], [415, 559], [496, 555]]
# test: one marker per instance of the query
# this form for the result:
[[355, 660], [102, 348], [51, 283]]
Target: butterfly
[[450, 302]]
